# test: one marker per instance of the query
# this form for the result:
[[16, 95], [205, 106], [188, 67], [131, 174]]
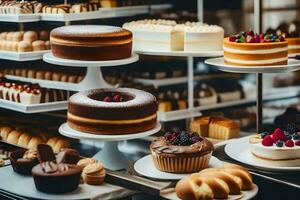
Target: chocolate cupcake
[[52, 177], [181, 152], [23, 161]]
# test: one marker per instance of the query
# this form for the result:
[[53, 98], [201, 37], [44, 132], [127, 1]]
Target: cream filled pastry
[[112, 111]]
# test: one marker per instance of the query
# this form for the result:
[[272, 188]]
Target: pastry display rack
[[22, 56], [190, 112], [110, 155], [21, 18], [93, 78], [33, 108]]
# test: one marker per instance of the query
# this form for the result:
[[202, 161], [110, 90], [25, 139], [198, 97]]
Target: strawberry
[[267, 141], [278, 134]]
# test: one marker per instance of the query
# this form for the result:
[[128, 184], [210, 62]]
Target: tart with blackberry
[[181, 152], [278, 148], [250, 49]]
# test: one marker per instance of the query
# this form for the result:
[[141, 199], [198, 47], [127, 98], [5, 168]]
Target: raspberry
[[267, 141], [108, 99], [232, 38], [278, 134], [297, 143], [168, 136], [289, 143], [117, 98]]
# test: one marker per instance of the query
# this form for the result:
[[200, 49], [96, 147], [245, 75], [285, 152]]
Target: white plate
[[146, 167], [65, 130], [244, 196], [182, 53], [239, 149], [293, 65], [50, 58]]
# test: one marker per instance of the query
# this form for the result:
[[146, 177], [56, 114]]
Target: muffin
[[181, 152], [23, 161]]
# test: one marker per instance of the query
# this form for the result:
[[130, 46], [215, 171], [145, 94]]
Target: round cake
[[280, 148], [249, 49], [112, 111], [91, 42], [181, 152]]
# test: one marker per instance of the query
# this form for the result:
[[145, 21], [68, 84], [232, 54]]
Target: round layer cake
[[91, 42], [249, 49], [112, 111], [294, 44]]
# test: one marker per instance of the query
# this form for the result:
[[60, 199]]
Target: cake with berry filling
[[112, 111], [278, 148], [181, 152], [250, 49]]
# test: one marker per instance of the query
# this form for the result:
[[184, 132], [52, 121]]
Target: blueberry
[[176, 141], [264, 134], [295, 136], [279, 143], [287, 135], [291, 128]]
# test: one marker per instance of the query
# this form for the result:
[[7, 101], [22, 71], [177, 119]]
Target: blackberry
[[295, 136], [184, 140], [279, 143], [176, 141], [291, 128], [195, 139], [287, 135]]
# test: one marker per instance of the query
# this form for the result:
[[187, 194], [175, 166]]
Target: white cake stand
[[110, 155], [93, 78]]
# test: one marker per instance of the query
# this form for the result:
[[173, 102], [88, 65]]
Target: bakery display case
[[135, 99]]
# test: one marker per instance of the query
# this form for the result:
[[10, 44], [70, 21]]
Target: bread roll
[[24, 46], [47, 44], [13, 137], [34, 142], [60, 145], [24, 140], [4, 131], [245, 177], [43, 35], [18, 36], [38, 45], [30, 36], [51, 142]]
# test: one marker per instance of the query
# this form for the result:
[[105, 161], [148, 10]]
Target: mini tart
[[88, 112], [273, 155], [181, 159], [255, 54], [91, 42], [23, 161], [294, 45]]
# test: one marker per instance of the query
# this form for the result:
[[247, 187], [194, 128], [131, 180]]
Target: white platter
[[50, 58], [182, 53], [239, 149], [22, 56], [246, 195], [19, 17], [33, 108], [293, 65], [24, 186], [146, 167], [65, 130]]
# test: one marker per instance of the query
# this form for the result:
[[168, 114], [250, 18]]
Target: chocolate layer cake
[[112, 111], [91, 42]]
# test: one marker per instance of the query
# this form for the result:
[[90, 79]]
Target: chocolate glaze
[[142, 105], [162, 146]]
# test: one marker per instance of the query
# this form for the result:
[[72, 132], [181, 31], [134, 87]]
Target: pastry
[[181, 152], [278, 148], [167, 35], [4, 131], [52, 177], [91, 42], [13, 137], [38, 45], [30, 36], [205, 95], [93, 174], [86, 161], [23, 161], [24, 46], [214, 183], [34, 142], [249, 49], [24, 140], [112, 111]]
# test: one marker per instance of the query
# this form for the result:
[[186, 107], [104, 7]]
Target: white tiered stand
[[190, 112], [110, 155]]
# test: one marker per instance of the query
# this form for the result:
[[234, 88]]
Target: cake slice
[[223, 128], [200, 126]]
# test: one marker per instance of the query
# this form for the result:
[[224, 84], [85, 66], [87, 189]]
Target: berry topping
[[182, 138], [289, 143], [117, 98], [251, 37], [291, 128], [278, 134], [295, 136], [108, 99], [264, 134], [287, 135], [267, 141], [279, 143], [297, 143]]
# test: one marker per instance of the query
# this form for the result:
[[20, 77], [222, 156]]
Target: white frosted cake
[[278, 149], [167, 35]]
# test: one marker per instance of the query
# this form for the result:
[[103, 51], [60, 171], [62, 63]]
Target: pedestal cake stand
[[110, 155], [93, 78]]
